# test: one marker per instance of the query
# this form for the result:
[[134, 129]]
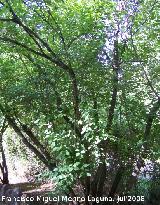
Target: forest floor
[[32, 190]]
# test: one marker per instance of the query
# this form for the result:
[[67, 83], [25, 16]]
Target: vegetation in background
[[79, 85]]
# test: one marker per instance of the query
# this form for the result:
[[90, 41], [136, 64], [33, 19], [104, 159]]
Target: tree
[[3, 165], [77, 77]]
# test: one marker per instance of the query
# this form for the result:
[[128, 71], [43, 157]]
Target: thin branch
[[15, 42], [35, 140], [58, 27], [153, 111], [13, 124], [1, 3], [66, 118], [142, 23], [96, 114], [6, 20], [59, 100], [150, 118], [150, 84], [116, 181], [4, 127], [11, 121], [112, 105], [54, 59], [29, 31], [76, 38], [116, 62], [145, 73]]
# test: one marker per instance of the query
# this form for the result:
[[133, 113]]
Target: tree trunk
[[4, 168]]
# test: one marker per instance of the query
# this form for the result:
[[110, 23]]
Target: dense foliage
[[79, 84]]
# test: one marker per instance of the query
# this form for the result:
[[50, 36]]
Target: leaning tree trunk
[[4, 168], [3, 165]]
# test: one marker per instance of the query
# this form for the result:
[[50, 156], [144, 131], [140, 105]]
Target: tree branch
[[112, 105], [54, 58], [13, 124], [116, 181], [6, 20], [116, 64], [150, 119], [150, 84], [3, 166], [66, 118], [36, 142], [142, 23], [59, 102]]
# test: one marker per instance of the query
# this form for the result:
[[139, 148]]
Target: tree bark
[[3, 165], [116, 181], [41, 157], [150, 119]]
